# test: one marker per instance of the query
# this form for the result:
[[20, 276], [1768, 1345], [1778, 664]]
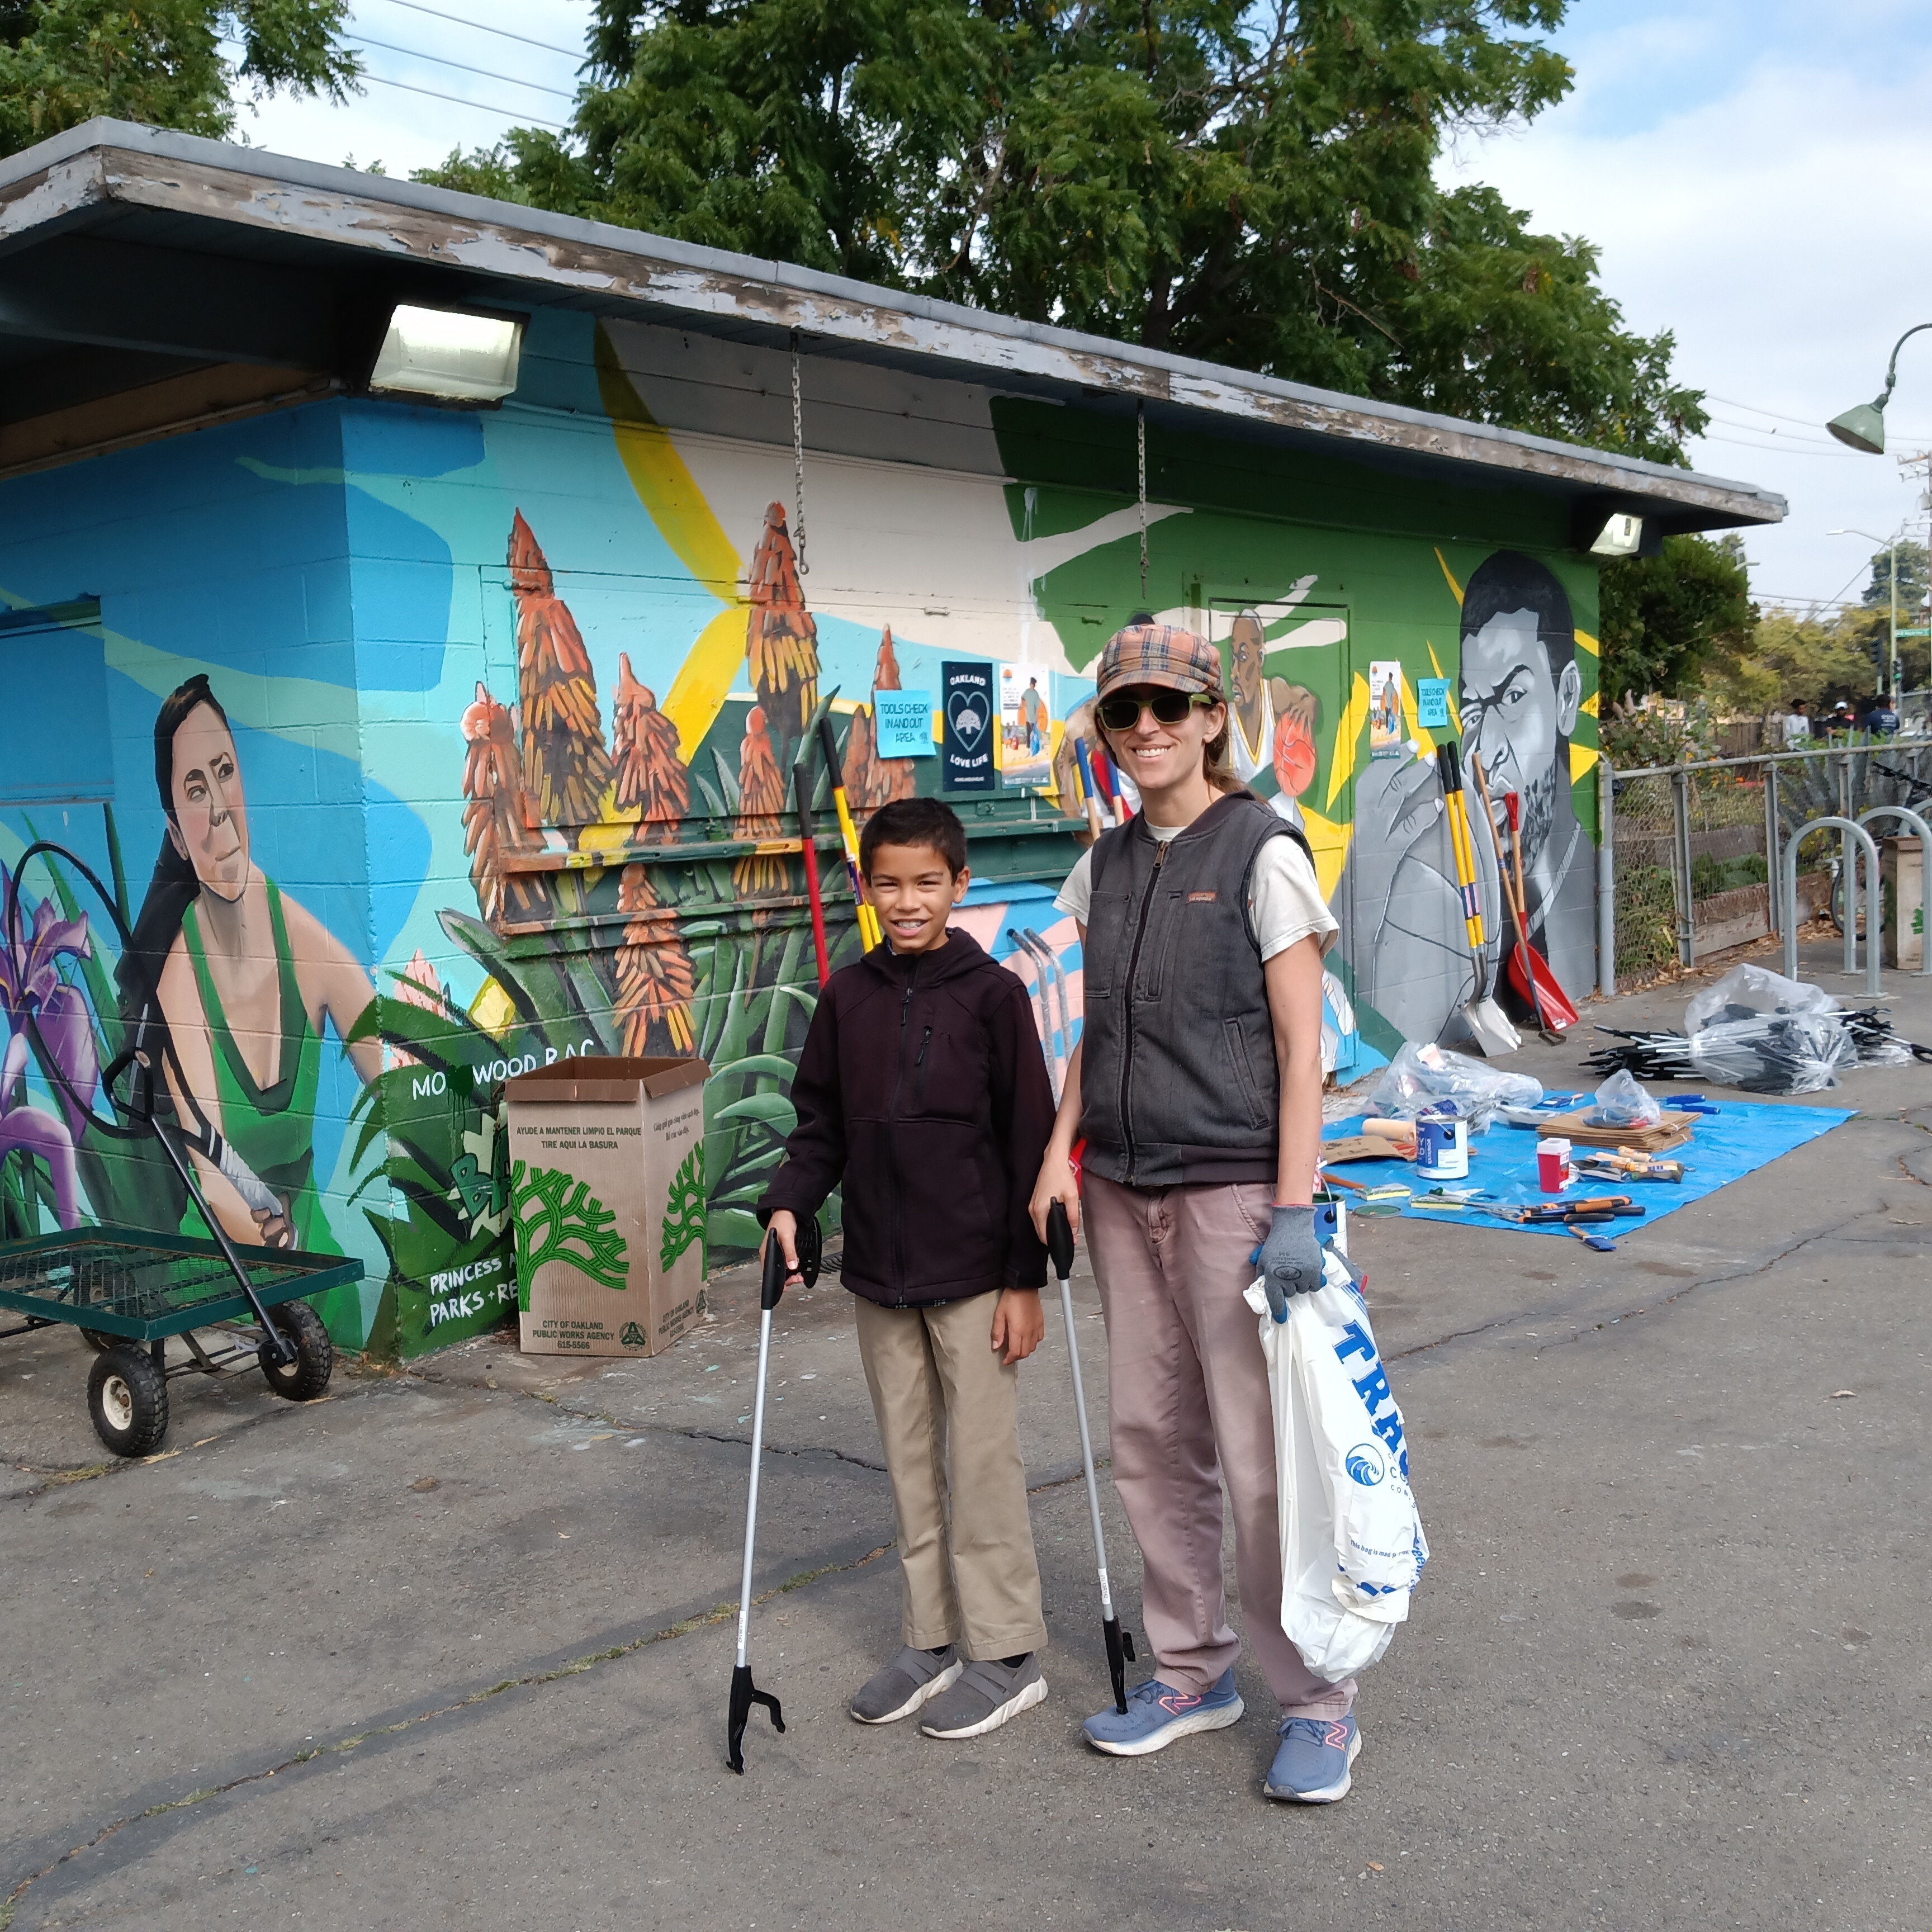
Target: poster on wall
[[969, 708], [1385, 732], [904, 719], [1025, 729], [1432, 703]]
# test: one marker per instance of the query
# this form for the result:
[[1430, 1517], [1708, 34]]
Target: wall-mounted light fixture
[[457, 356], [1621, 535]]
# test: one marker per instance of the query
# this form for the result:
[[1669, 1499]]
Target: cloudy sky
[[1757, 174]]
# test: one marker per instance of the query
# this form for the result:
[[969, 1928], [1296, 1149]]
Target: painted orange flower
[[761, 797], [495, 825], [870, 780], [565, 767], [655, 979], [650, 775], [780, 639]]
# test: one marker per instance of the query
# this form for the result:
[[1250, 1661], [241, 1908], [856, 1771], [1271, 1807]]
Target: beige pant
[[1189, 1408], [948, 1410]]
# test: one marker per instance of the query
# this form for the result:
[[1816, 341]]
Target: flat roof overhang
[[138, 263]]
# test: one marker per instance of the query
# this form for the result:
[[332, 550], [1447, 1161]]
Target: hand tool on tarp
[[803, 783], [744, 1693], [153, 1107], [1488, 1025], [1119, 1642], [1532, 974], [1519, 911], [870, 933]]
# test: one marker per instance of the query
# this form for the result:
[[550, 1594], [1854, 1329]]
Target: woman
[[244, 978], [1198, 1086]]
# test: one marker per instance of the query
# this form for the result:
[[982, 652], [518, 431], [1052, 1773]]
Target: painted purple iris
[[32, 988]]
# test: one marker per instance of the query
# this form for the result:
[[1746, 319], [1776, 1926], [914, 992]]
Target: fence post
[[1606, 881], [1771, 847], [1680, 797]]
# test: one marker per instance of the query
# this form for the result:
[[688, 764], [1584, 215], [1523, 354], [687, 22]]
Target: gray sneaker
[[987, 1695], [905, 1684]]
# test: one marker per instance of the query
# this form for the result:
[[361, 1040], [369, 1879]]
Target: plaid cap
[[1158, 654]]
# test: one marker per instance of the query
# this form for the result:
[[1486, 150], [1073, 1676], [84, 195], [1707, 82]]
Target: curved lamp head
[[1863, 428]]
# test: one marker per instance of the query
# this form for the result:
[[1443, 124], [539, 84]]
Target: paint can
[[1441, 1144], [1552, 1166]]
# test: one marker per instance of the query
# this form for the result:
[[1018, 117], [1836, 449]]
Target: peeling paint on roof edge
[[50, 185]]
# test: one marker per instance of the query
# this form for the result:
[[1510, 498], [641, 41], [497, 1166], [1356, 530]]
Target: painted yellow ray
[[675, 503], [1582, 758], [1354, 717], [1453, 586], [1328, 839], [1589, 644], [1449, 696]]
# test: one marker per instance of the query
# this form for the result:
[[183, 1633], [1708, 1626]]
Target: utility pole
[[1919, 466]]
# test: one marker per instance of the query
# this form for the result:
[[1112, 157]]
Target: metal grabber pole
[[1119, 1642], [744, 1693]]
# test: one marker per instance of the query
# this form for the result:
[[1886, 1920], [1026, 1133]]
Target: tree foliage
[[1912, 579], [1663, 619], [1255, 185], [171, 63]]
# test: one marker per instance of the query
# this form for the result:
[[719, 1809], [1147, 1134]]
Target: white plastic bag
[[1422, 1076], [1748, 992], [1352, 1547]]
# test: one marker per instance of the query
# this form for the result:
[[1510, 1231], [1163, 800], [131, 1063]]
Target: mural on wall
[[541, 804]]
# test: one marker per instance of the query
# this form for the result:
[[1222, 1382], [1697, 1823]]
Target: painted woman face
[[210, 824]]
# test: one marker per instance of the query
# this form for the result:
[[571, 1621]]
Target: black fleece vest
[[1178, 1080]]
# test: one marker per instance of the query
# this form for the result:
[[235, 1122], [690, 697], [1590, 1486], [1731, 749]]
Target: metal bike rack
[[1924, 832], [1852, 829]]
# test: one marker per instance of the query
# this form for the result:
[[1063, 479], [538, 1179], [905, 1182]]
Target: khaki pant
[[1189, 1408], [948, 1409]]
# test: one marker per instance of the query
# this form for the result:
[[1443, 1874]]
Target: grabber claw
[[744, 1693]]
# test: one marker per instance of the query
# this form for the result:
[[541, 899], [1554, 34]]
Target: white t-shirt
[[1285, 902]]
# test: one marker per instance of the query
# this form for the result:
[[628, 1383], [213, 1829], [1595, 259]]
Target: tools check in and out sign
[[970, 712]]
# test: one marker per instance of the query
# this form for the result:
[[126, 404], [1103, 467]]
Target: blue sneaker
[[1313, 1766], [1157, 1714]]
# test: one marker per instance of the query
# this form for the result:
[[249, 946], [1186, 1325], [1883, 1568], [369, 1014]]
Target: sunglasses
[[1169, 707]]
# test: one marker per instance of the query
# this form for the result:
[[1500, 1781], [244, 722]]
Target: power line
[[515, 114], [463, 67], [1804, 422], [550, 47]]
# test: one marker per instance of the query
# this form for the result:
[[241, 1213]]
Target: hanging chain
[[1140, 425], [797, 465]]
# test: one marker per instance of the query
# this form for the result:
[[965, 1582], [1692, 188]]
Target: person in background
[[1882, 721], [1797, 726]]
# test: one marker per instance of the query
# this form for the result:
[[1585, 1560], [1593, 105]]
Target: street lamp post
[[1891, 547], [1863, 427]]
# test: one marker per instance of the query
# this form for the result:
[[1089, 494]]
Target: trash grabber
[[1119, 1642], [744, 1693]]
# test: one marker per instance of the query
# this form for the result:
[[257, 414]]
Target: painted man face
[[1247, 645], [1516, 715], [210, 824]]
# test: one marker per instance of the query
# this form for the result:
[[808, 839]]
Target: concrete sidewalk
[[452, 1646]]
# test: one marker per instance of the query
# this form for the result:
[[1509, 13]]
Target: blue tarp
[[1741, 1137]]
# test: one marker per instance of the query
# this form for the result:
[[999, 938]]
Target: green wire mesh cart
[[128, 1291]]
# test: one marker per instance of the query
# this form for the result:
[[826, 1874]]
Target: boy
[[922, 1087]]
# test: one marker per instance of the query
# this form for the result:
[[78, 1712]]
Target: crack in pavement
[[576, 1666], [1548, 1313]]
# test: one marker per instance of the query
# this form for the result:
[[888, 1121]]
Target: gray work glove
[[1290, 1258]]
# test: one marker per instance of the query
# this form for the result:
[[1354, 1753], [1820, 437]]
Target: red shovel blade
[[1557, 1010]]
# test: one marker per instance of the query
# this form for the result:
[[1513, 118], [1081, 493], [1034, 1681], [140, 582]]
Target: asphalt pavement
[[451, 1647]]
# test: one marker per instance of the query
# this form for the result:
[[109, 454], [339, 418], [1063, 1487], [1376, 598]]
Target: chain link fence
[[1694, 849]]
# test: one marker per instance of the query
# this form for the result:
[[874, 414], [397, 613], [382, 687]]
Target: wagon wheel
[[127, 1398], [307, 1376]]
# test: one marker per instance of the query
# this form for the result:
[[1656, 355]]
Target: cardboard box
[[608, 1198]]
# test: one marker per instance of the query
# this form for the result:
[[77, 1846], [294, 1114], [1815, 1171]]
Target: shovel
[[1488, 1025], [1119, 1642], [744, 1693]]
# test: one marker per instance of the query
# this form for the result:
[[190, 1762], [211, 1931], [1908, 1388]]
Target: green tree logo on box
[[685, 1209], [559, 1219]]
